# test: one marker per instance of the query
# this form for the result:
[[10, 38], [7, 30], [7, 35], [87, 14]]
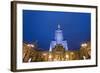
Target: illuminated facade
[[58, 51], [58, 39], [85, 51], [31, 53]]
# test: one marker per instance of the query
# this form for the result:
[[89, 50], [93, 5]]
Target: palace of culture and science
[[58, 50], [58, 39]]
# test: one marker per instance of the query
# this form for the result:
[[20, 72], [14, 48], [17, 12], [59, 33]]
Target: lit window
[[44, 54], [72, 53]]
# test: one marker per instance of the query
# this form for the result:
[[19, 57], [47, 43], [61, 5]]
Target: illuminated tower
[[58, 39]]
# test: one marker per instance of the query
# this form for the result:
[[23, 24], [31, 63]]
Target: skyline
[[41, 25]]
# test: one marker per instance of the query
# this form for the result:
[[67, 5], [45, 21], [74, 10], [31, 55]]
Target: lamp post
[[84, 46], [31, 45], [66, 57], [50, 57]]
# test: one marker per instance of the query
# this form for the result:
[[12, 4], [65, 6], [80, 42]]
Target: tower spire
[[58, 26]]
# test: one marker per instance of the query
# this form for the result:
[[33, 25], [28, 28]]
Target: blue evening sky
[[40, 26]]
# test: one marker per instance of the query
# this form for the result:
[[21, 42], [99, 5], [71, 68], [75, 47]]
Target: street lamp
[[84, 45], [30, 45], [67, 56], [50, 56]]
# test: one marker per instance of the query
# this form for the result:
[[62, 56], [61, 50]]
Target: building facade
[[58, 39], [58, 50], [58, 53]]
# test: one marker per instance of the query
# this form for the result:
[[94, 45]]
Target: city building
[[58, 50], [58, 39], [58, 53]]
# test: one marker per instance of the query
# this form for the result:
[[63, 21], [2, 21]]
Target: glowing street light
[[67, 56], [50, 56], [30, 45], [84, 45]]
